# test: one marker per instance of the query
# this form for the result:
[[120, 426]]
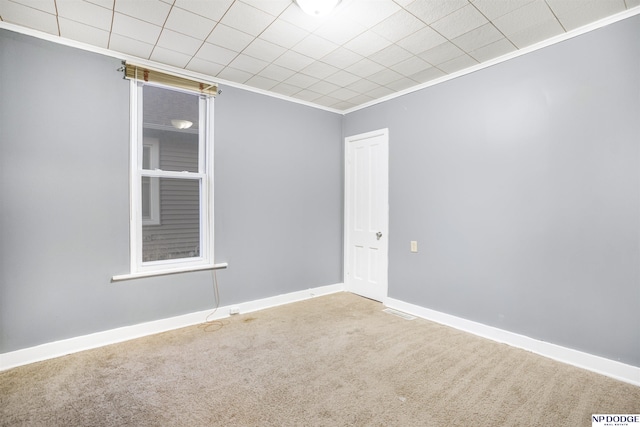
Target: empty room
[[333, 213]]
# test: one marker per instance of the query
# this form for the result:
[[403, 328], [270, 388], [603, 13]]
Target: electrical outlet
[[414, 246], [234, 310]]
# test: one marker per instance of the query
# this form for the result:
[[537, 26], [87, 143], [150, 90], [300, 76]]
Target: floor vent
[[405, 316]]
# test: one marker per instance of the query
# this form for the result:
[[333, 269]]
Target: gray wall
[[520, 183], [64, 117]]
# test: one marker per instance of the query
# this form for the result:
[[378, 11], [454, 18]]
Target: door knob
[[378, 235]]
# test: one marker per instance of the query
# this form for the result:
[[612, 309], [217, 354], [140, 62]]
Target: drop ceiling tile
[[107, 4], [380, 92], [530, 35], [284, 34], [301, 80], [29, 17], [261, 82], [135, 29], [369, 13], [411, 66], [529, 15], [493, 9], [327, 101], [204, 67], [324, 87], [152, 11], [314, 46], [363, 86], [179, 42], [342, 78], [319, 70], [339, 30], [85, 13], [365, 68], [219, 55], [459, 22], [276, 72], [428, 75], [341, 58], [430, 11], [48, 6], [171, 57], [229, 38], [402, 84], [421, 40], [475, 39], [189, 23], [367, 43], [398, 26], [247, 63], [343, 105], [129, 46], [457, 64], [385, 76], [84, 33], [247, 19], [493, 50], [307, 95], [272, 7], [391, 55], [294, 15], [441, 53], [234, 75], [213, 10], [343, 94], [293, 61], [360, 99], [264, 50], [285, 89], [573, 14]]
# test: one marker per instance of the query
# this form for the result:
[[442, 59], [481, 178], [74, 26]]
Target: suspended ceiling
[[365, 50]]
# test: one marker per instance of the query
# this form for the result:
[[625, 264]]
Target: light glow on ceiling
[[317, 7]]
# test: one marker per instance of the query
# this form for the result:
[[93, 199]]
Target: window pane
[[166, 116], [146, 197], [177, 234]]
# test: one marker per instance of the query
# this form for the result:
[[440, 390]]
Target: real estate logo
[[615, 420]]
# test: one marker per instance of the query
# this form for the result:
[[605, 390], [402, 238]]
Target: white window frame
[[205, 177], [154, 183]]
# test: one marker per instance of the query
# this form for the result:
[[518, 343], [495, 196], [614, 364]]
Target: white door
[[367, 213]]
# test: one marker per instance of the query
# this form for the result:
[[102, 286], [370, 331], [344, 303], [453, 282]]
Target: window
[[171, 179]]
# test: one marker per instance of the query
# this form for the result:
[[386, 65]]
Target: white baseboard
[[99, 339], [611, 368]]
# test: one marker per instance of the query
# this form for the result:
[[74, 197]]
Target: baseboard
[[611, 368], [99, 339]]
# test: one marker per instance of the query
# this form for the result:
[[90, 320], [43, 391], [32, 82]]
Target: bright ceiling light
[[317, 7]]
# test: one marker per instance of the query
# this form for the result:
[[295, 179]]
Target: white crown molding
[[181, 72], [99, 339], [545, 43], [206, 78], [610, 368]]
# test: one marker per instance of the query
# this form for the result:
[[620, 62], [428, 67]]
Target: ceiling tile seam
[[55, 5], [494, 26], [555, 16], [254, 38], [209, 35], [113, 16], [162, 29]]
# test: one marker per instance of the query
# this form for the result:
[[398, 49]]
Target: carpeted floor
[[336, 360]]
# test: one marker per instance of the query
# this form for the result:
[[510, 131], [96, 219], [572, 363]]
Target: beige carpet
[[336, 360]]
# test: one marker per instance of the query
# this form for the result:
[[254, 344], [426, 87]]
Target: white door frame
[[384, 180]]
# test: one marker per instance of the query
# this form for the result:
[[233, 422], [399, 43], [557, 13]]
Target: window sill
[[167, 272]]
